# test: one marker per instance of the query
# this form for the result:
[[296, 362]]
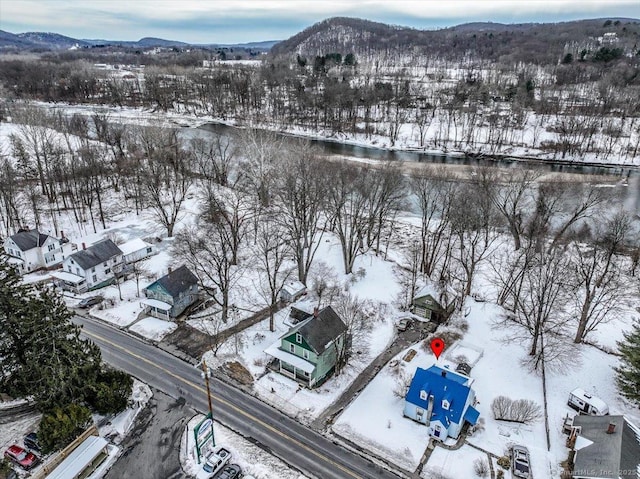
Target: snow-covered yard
[[375, 421]]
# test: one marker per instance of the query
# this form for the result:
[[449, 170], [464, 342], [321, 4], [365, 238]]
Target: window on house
[[106, 263], [423, 395], [149, 249], [305, 374], [445, 404], [93, 270], [292, 348], [114, 260], [95, 278], [107, 271], [305, 354], [298, 338], [438, 429]]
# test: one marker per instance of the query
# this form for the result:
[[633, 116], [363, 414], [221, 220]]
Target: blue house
[[442, 400], [170, 295]]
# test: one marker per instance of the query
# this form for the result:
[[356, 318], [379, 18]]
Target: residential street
[[299, 446]]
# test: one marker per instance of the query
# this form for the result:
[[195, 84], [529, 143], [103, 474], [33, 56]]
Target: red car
[[21, 457]]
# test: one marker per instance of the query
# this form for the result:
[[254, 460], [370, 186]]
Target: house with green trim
[[309, 351], [426, 306]]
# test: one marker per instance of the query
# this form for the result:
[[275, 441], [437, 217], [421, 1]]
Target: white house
[[92, 267], [32, 250], [136, 250]]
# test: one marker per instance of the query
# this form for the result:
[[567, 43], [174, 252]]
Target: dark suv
[[31, 442], [232, 471]]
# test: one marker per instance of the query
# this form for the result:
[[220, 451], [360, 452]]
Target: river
[[626, 180]]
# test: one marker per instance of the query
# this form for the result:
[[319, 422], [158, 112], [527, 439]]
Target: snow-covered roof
[[154, 303], [294, 287], [68, 277], [595, 401], [79, 459], [133, 245], [275, 351]]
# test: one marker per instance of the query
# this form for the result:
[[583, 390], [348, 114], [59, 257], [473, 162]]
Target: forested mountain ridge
[[540, 43]]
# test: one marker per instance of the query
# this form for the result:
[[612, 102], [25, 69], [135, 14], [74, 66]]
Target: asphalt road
[[310, 452]]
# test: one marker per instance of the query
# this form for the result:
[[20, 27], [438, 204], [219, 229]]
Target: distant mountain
[[266, 45], [12, 40], [55, 41], [51, 40], [529, 42]]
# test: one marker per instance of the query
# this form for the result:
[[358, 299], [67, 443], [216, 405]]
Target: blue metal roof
[[450, 386], [472, 415]]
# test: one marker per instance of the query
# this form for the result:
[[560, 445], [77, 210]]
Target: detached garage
[[83, 460]]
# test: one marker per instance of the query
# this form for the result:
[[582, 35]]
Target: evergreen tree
[[628, 373], [43, 355]]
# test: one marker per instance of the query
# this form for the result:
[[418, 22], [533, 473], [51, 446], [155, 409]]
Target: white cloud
[[250, 20]]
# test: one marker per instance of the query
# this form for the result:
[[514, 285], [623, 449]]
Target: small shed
[[136, 250], [292, 290], [428, 307]]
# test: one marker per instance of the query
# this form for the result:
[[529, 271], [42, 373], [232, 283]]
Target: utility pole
[[206, 374]]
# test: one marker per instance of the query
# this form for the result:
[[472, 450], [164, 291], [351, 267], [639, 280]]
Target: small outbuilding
[[425, 305], [136, 250], [292, 290]]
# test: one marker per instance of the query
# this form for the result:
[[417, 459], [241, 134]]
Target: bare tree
[[473, 219], [513, 199], [348, 200], [356, 315], [272, 251], [206, 250], [435, 193], [539, 316], [601, 290], [214, 158], [301, 194], [166, 175], [261, 150]]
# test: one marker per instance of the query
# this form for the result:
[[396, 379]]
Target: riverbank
[[374, 147]]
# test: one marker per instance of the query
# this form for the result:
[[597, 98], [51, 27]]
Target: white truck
[[586, 403]]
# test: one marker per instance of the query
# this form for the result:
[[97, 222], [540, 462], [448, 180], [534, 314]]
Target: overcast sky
[[237, 21]]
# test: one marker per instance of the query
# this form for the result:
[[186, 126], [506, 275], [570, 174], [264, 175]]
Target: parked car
[[90, 301], [232, 471], [19, 456], [215, 461], [31, 442], [403, 324], [520, 466]]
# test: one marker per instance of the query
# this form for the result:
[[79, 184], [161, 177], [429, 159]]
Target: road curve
[[301, 447]]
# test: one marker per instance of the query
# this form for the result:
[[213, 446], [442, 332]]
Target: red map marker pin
[[437, 346]]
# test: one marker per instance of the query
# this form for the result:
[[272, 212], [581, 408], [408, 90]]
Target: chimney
[[62, 234], [315, 312], [84, 246], [611, 429]]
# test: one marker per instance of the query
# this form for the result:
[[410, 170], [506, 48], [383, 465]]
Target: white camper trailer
[[586, 403]]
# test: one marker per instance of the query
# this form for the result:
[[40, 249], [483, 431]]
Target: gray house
[[170, 295], [605, 447]]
